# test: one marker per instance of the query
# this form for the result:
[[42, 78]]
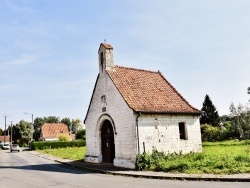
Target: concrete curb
[[173, 177], [151, 175]]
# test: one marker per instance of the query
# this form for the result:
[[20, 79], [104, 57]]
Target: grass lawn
[[73, 153], [228, 157]]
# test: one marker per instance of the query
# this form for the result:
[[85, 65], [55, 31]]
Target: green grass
[[227, 157], [230, 157], [72, 153]]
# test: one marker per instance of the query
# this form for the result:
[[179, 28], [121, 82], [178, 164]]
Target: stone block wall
[[162, 133]]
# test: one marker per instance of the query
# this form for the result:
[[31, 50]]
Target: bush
[[64, 137], [210, 133], [80, 134], [57, 144], [152, 161]]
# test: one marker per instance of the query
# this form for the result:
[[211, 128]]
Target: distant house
[[6, 139], [132, 111], [51, 131]]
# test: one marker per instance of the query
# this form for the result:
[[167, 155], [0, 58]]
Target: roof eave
[[168, 112]]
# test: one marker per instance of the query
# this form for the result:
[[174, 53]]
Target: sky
[[49, 51]]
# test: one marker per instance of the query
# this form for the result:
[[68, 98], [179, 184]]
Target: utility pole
[[32, 126], [32, 130], [11, 134], [4, 128]]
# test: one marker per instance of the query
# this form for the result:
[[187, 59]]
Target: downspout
[[137, 130]]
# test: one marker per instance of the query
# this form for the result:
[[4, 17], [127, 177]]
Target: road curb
[[221, 179], [166, 177]]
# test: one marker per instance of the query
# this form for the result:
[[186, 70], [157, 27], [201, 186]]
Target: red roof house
[[51, 131]]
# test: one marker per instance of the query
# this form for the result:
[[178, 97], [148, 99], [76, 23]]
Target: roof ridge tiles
[[137, 69]]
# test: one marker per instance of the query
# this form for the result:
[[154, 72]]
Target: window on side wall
[[182, 131]]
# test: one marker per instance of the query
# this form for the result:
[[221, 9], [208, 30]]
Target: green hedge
[[57, 144]]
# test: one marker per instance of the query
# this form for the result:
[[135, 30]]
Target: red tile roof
[[108, 46], [7, 138], [52, 130], [148, 91]]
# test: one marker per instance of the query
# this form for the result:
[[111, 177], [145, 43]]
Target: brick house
[[132, 111], [51, 131]]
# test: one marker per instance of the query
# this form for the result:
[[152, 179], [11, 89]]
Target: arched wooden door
[[108, 145]]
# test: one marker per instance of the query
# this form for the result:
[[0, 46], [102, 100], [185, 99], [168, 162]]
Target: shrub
[[80, 134], [210, 133], [57, 144], [142, 161], [64, 137]]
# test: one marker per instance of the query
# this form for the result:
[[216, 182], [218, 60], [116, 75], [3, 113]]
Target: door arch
[[108, 144]]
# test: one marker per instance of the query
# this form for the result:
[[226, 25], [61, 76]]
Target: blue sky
[[49, 60]]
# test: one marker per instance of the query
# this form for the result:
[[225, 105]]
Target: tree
[[52, 119], [67, 122], [22, 132], [81, 134], [15, 133], [76, 125], [240, 121], [38, 122], [209, 113], [24, 129], [248, 91], [225, 118]]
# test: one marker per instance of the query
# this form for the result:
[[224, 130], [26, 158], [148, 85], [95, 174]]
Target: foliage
[[38, 122], [67, 122], [73, 126], [210, 133], [240, 121], [73, 153], [224, 118], [76, 125], [248, 91], [80, 134], [24, 129], [1, 131], [52, 119], [209, 113], [215, 158], [64, 137], [57, 144]]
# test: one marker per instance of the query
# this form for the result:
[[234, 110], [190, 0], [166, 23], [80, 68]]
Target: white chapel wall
[[162, 133], [123, 117]]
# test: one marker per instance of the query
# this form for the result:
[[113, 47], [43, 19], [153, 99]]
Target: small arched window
[[101, 59]]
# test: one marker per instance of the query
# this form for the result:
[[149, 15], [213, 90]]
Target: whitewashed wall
[[162, 132], [124, 124]]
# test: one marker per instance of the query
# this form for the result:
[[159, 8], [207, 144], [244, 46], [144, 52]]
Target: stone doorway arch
[[107, 142]]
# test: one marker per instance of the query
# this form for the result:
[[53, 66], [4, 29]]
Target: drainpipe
[[137, 129]]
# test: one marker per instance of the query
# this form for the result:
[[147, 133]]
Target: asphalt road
[[22, 170]]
